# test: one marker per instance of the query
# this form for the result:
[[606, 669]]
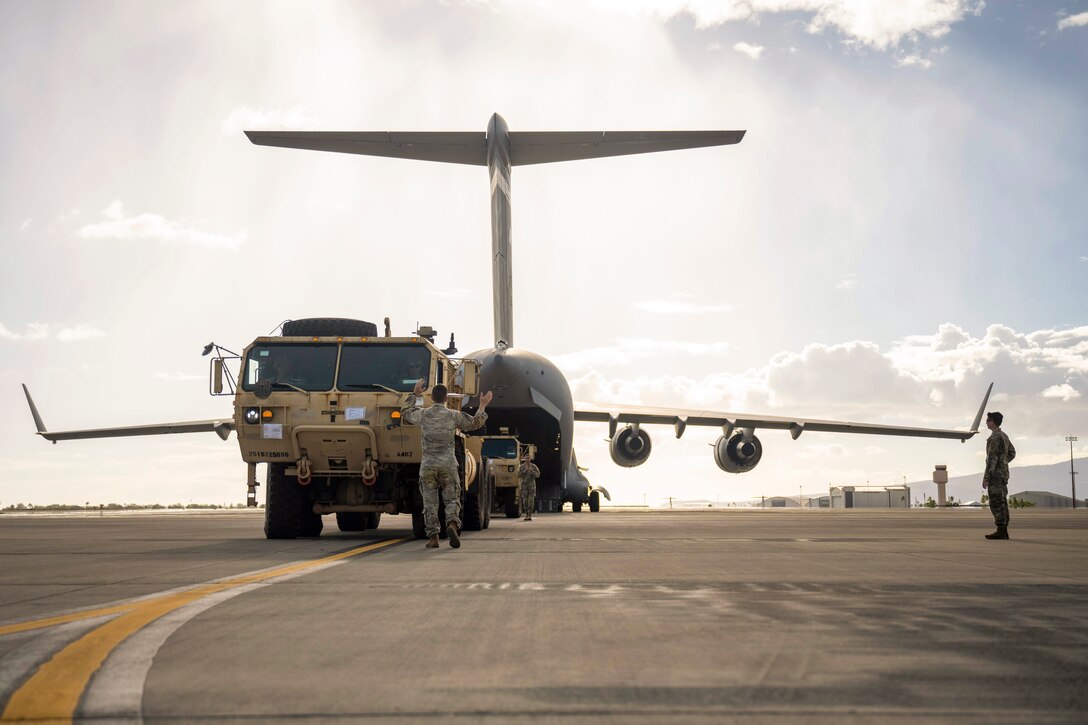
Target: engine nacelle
[[737, 455], [629, 447]]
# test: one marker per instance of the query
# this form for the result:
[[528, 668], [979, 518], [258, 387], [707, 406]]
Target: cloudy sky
[[903, 223]]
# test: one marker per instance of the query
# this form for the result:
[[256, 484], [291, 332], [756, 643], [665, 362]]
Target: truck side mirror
[[470, 372], [217, 376]]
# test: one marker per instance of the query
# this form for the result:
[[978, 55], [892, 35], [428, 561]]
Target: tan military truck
[[321, 406], [501, 459]]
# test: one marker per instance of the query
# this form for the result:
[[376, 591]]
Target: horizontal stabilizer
[[470, 147], [542, 147], [452, 147]]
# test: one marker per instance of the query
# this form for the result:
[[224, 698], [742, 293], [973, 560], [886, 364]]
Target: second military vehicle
[[501, 456]]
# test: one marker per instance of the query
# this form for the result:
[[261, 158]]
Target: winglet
[[34, 412], [978, 418]]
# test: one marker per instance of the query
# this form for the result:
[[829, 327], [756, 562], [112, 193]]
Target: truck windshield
[[499, 448], [381, 365], [309, 367]]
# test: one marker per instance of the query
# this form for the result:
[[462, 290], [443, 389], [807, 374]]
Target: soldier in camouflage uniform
[[438, 470], [995, 478], [527, 475]]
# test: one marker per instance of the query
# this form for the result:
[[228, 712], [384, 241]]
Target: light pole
[[1072, 473]]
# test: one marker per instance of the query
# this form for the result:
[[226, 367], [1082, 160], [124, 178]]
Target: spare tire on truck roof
[[328, 327]]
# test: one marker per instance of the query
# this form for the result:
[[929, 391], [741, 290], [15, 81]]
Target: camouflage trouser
[[999, 501], [527, 492], [446, 480]]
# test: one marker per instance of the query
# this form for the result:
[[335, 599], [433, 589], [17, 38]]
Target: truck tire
[[311, 524], [595, 501], [489, 489], [329, 326], [351, 521], [284, 502], [511, 503], [373, 519], [576, 506], [419, 526], [473, 514]]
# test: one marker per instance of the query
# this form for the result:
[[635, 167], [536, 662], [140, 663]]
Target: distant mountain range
[[1053, 478]]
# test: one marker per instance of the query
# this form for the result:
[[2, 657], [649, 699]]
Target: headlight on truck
[[252, 416], [510, 468]]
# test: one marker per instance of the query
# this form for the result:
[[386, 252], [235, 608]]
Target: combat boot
[[528, 517], [1002, 532], [433, 543], [455, 539]]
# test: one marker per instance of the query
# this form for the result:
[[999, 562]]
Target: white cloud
[[755, 52], [26, 223], [79, 332], [914, 60], [921, 379], [177, 377], [1084, 259], [848, 283], [1064, 392], [34, 331], [878, 24], [43, 331], [1074, 21], [265, 119], [154, 227], [676, 307]]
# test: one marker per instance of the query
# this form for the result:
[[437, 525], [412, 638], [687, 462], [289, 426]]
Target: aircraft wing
[[728, 422], [222, 428]]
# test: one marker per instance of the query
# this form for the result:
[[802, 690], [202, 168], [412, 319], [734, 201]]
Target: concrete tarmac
[[622, 617]]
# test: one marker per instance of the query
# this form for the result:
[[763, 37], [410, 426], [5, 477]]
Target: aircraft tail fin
[[542, 147], [452, 147], [981, 408]]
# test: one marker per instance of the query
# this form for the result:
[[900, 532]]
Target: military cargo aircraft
[[531, 395]]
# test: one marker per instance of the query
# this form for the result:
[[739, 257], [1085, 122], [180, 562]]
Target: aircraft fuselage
[[533, 400]]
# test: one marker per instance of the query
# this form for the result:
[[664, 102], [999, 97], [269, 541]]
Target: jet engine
[[739, 453], [630, 447]]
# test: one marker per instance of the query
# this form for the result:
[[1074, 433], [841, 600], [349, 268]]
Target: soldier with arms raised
[[438, 470]]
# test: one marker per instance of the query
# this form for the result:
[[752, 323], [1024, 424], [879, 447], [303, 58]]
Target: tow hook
[[370, 472], [304, 472]]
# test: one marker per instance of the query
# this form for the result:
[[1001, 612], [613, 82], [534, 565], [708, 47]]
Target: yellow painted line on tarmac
[[64, 618], [53, 692]]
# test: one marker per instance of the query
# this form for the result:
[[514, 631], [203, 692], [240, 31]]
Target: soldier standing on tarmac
[[999, 451], [438, 470], [527, 475]]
